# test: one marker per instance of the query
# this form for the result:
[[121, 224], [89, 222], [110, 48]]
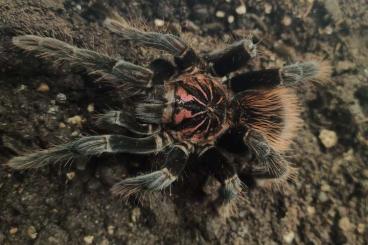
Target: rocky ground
[[42, 105]]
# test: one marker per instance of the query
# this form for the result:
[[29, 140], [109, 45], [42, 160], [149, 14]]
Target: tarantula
[[195, 103]]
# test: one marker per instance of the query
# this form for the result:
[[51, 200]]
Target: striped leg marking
[[91, 146], [177, 157]]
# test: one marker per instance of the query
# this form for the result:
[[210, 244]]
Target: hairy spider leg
[[176, 159], [274, 171], [286, 76], [128, 121], [119, 72], [184, 55], [92, 146], [232, 187], [231, 58]]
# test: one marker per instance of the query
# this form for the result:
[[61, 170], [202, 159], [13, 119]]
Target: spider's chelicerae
[[196, 103]]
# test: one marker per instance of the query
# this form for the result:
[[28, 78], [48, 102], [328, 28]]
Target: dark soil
[[73, 205]]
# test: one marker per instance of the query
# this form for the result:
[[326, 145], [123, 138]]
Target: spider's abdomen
[[198, 110]]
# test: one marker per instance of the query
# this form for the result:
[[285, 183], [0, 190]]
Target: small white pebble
[[43, 88], [61, 98], [328, 30], [289, 237], [220, 14], [111, 230], [62, 125], [76, 120], [78, 7], [344, 224], [21, 88], [328, 138], [268, 8], [286, 21], [159, 22], [240, 10], [230, 19], [75, 134], [311, 210], [361, 228], [32, 232], [70, 175], [88, 239], [13, 230], [136, 213], [91, 107]]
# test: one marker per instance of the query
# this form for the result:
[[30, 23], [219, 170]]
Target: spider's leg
[[184, 55], [274, 171], [224, 61], [163, 70], [286, 76], [176, 159], [231, 186], [92, 146], [106, 67], [126, 120]]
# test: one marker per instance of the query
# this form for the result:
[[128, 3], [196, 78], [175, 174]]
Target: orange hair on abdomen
[[275, 113]]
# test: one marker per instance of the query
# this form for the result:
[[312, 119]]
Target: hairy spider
[[194, 103]]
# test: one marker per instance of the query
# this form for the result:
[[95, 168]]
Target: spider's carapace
[[199, 108]]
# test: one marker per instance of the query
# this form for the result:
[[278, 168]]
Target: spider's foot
[[230, 194], [152, 182], [277, 181], [315, 71]]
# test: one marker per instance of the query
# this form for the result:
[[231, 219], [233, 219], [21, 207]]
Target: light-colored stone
[[43, 88], [13, 230], [268, 8], [75, 120], [159, 22], [344, 224], [136, 213], [110, 230], [289, 237], [91, 107], [328, 138], [241, 9], [311, 210], [361, 228], [61, 98], [70, 175], [32, 232], [88, 239], [220, 14], [286, 21]]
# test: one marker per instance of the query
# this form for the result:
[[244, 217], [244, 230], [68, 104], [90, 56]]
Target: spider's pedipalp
[[91, 146], [175, 162], [274, 171], [231, 58], [126, 120]]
